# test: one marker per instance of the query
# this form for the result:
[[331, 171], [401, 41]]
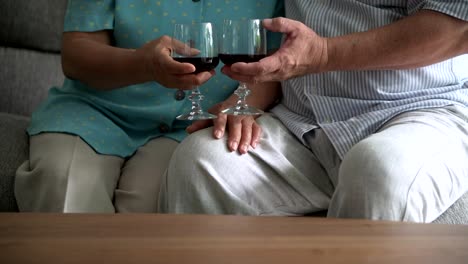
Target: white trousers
[[412, 169], [64, 174]]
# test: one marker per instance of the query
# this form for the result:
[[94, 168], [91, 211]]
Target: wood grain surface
[[155, 238]]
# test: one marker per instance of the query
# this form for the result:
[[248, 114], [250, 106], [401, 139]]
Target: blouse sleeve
[[89, 15], [274, 38], [454, 8]]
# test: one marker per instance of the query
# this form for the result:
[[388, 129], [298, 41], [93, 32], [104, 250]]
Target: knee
[[45, 169], [197, 179], [51, 170], [370, 174], [199, 147], [191, 159], [37, 182]]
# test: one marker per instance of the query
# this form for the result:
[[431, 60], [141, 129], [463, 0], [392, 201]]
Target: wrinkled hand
[[165, 70], [302, 52], [243, 130]]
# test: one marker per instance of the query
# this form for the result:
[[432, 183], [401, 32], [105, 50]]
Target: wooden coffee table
[[145, 238]]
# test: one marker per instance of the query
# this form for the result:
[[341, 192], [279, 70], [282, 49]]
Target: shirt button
[[179, 95], [163, 128]]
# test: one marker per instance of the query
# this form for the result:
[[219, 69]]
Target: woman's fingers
[[246, 136], [182, 48], [198, 125], [243, 132], [256, 134], [219, 125], [235, 132]]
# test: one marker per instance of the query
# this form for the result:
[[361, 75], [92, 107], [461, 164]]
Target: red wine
[[229, 59], [201, 63]]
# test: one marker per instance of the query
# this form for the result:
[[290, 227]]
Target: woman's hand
[[243, 130], [165, 70], [91, 58]]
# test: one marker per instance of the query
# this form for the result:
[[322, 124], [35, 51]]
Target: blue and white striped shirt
[[351, 105]]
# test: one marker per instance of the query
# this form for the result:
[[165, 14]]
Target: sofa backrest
[[30, 40]]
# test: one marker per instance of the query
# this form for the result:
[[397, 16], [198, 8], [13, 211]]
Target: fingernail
[[254, 145], [244, 148], [218, 134], [233, 145]]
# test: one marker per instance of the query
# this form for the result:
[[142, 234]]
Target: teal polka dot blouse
[[118, 122]]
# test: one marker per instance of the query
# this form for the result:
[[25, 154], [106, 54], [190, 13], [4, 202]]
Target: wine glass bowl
[[196, 43], [242, 41]]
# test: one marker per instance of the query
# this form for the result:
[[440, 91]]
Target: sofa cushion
[[13, 151], [457, 213], [30, 24]]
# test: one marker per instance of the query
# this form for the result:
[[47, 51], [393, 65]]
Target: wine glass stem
[[196, 97], [242, 92]]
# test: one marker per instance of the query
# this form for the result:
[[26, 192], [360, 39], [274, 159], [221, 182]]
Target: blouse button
[[163, 128], [179, 95]]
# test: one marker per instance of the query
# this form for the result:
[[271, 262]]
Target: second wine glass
[[196, 43], [242, 41]]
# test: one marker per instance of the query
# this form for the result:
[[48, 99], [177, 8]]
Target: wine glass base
[[196, 116], [248, 110]]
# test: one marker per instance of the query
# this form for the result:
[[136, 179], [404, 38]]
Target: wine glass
[[196, 43], [242, 41]]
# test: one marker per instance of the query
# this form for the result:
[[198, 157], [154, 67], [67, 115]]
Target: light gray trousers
[[412, 169], [64, 174]]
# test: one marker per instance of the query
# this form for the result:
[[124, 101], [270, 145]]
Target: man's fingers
[[247, 71], [281, 24], [266, 65], [269, 64], [250, 78], [247, 68], [236, 76]]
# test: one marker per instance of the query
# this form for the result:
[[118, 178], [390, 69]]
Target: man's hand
[[303, 52], [243, 130]]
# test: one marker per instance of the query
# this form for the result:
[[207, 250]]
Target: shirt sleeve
[[454, 8], [89, 15]]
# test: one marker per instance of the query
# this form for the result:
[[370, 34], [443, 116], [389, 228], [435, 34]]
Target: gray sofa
[[30, 33], [30, 39]]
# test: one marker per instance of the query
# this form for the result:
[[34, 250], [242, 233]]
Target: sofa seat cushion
[[457, 213], [13, 151]]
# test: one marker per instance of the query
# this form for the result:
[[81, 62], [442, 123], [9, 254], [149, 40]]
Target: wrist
[[142, 66], [326, 59]]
